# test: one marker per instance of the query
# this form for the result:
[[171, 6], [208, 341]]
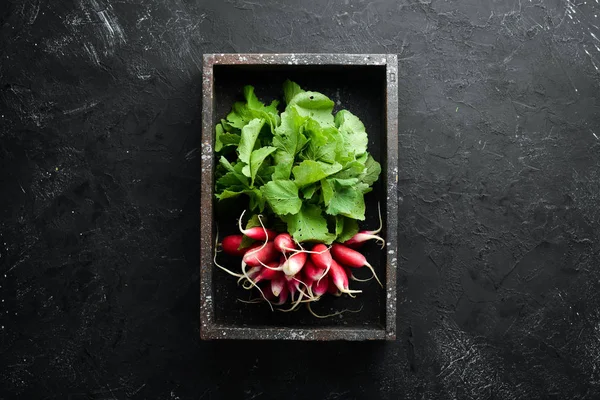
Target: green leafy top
[[307, 166]]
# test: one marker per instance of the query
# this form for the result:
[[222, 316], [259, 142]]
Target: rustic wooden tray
[[365, 84]]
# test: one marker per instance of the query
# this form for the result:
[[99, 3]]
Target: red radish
[[351, 258], [321, 257], [261, 255], [258, 232], [268, 292], [276, 266], [220, 266], [293, 286], [311, 272], [269, 273], [254, 272], [361, 237], [332, 289], [258, 274], [270, 297], [320, 288], [296, 303], [253, 284], [299, 283], [231, 245], [284, 243], [283, 296], [340, 279], [304, 279], [290, 283], [294, 263], [277, 285]]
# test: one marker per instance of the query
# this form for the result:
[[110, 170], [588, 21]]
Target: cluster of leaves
[[308, 167]]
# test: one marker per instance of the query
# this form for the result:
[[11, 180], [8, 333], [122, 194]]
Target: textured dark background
[[500, 190]]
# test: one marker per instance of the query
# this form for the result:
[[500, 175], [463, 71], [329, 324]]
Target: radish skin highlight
[[351, 258]]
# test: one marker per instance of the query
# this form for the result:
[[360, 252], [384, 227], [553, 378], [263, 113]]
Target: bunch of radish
[[283, 271]]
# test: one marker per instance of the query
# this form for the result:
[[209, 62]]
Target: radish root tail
[[255, 285], [296, 304], [380, 220], [223, 268], [374, 274], [253, 301], [354, 278], [334, 314]]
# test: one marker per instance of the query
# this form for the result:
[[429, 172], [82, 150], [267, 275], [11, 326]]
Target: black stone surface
[[500, 186]]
